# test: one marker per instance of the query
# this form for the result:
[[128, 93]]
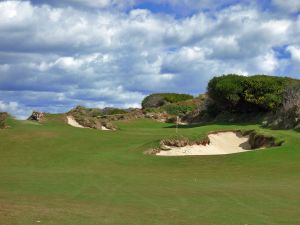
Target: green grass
[[57, 174]]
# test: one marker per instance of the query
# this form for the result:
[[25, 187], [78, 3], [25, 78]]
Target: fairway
[[57, 174]]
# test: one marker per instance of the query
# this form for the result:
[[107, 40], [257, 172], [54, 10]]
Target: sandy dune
[[104, 128], [220, 144], [73, 122]]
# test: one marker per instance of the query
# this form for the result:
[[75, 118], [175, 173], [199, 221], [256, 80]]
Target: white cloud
[[295, 52], [14, 12], [94, 3], [288, 5], [90, 4], [294, 64], [267, 63], [13, 108], [10, 106], [4, 68], [52, 58]]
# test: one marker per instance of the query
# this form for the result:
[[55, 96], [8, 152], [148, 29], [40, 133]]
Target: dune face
[[104, 128], [73, 122], [220, 144]]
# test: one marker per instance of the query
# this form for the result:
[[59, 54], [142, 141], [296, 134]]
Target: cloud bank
[[57, 54]]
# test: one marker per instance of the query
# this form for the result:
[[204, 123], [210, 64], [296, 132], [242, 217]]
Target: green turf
[[57, 174]]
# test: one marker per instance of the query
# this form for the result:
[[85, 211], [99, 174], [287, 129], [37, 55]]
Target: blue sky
[[57, 54]]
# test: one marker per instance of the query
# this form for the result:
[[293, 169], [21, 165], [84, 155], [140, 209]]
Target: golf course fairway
[[53, 173]]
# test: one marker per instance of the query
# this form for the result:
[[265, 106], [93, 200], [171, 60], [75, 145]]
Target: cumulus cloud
[[95, 4], [295, 52], [291, 6], [185, 6], [53, 57], [14, 109], [294, 64], [10, 106]]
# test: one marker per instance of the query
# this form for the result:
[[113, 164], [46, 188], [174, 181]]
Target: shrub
[[237, 93], [264, 92], [153, 110], [226, 91], [95, 112], [178, 110], [3, 117], [160, 99], [153, 101], [113, 111], [174, 97], [212, 108]]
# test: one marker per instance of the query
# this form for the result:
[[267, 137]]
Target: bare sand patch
[[74, 123], [104, 128], [220, 144]]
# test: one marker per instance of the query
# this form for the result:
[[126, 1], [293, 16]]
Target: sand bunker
[[74, 123], [220, 144]]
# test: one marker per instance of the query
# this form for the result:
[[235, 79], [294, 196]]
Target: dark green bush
[[264, 92], [174, 97], [160, 99], [178, 110], [226, 91], [237, 93]]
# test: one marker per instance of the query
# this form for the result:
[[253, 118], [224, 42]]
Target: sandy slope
[[104, 128], [220, 144], [73, 122]]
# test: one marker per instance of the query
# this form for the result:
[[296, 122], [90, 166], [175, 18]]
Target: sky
[[57, 54]]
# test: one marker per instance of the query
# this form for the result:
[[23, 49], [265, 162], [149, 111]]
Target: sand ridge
[[221, 143], [71, 121]]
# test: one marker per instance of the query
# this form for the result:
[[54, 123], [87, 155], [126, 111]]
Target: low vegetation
[[273, 101], [113, 111], [3, 117], [91, 117], [260, 93], [184, 109], [160, 99]]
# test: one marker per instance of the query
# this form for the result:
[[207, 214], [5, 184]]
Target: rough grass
[[57, 174]]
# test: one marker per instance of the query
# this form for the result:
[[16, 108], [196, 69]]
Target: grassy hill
[[58, 174]]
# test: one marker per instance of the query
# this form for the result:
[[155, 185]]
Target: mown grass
[[57, 174]]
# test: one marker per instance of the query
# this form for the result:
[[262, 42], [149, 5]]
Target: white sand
[[74, 123], [104, 128], [220, 144]]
